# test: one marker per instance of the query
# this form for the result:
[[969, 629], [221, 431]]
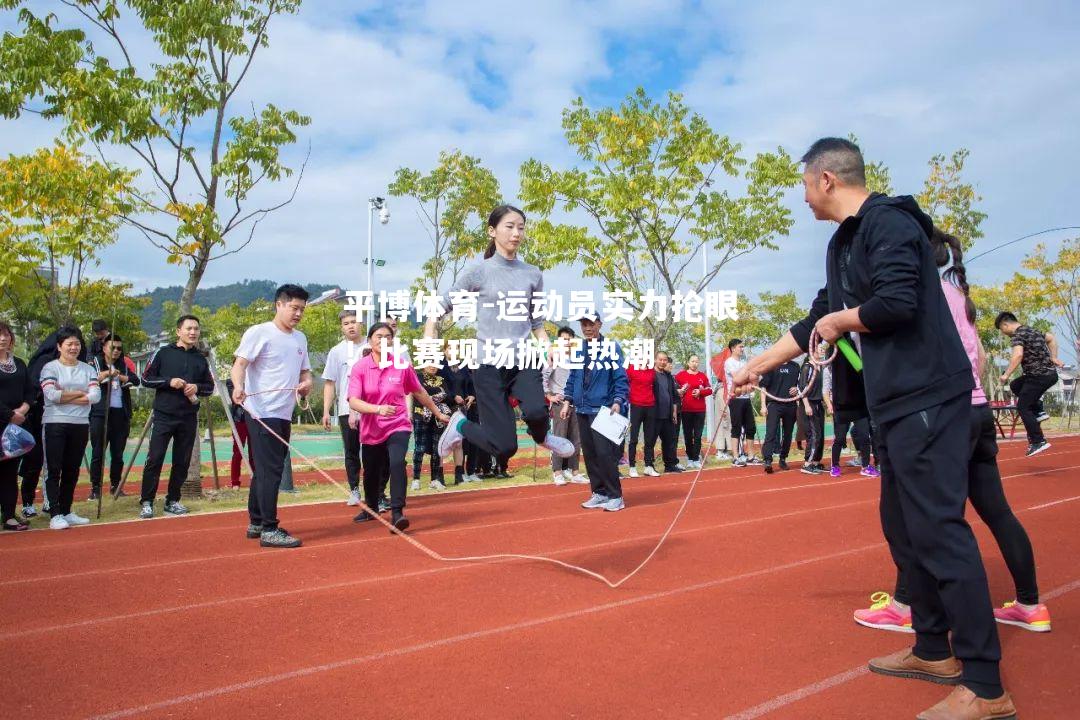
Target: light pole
[[375, 203]]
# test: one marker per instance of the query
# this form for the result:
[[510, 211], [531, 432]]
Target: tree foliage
[[1055, 285], [453, 200], [649, 188], [169, 107]]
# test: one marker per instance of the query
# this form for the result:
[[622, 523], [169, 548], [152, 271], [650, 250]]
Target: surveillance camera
[[384, 215]]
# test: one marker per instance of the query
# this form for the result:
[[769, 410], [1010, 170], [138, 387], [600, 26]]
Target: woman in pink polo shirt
[[378, 394]]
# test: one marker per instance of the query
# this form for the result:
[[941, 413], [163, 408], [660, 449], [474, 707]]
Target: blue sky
[[392, 84]]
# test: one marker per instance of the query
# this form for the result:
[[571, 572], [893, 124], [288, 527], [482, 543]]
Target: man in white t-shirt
[[339, 364], [272, 364], [739, 407]]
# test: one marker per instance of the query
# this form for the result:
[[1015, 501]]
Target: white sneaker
[[614, 504], [723, 455], [451, 437], [415, 484], [579, 479], [58, 523], [559, 446], [597, 500], [73, 519], [436, 485], [650, 471], [567, 474], [633, 472], [559, 478], [475, 478], [354, 497]]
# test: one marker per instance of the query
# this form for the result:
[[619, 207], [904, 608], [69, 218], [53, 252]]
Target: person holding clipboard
[[594, 392]]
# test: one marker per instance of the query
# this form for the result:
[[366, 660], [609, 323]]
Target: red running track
[[745, 613]]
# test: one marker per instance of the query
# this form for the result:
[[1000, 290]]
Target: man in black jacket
[[782, 382], [668, 401], [113, 425], [180, 375], [882, 283]]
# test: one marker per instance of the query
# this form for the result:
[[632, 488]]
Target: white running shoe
[[73, 519], [354, 497], [58, 522], [559, 446], [597, 500], [415, 484], [723, 455], [559, 478], [567, 474], [579, 479], [650, 471], [451, 437], [614, 504], [633, 472], [436, 485]]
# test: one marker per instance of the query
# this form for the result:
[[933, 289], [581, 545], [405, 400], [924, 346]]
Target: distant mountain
[[242, 293]]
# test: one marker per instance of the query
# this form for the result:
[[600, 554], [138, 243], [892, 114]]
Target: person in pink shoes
[[984, 480]]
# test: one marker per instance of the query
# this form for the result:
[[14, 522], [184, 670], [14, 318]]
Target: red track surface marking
[[821, 686]]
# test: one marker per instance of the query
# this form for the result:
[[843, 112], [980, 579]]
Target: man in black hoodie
[[882, 282], [180, 375]]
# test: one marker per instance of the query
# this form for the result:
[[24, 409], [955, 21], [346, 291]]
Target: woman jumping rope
[[501, 272]]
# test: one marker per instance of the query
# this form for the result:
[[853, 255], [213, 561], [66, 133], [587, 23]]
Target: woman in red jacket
[[695, 387]]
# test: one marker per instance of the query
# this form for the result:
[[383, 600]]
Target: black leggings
[[840, 433], [9, 488], [377, 459], [988, 498], [692, 424], [496, 431], [64, 447]]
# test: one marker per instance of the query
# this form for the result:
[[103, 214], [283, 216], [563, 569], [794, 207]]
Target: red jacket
[[697, 380], [641, 386], [717, 364]]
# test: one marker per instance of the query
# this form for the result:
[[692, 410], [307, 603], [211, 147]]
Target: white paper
[[613, 426]]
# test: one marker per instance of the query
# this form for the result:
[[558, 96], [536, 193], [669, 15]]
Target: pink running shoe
[[870, 471], [834, 471], [1036, 620], [885, 614]]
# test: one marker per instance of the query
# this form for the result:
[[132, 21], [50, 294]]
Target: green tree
[[647, 190], [1055, 283], [760, 323], [991, 300], [454, 200], [158, 103], [950, 200]]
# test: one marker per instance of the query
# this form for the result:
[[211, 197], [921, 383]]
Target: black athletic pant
[[693, 423], [65, 444], [1028, 391], [988, 498], [32, 462], [642, 416], [182, 431], [350, 438], [779, 419], [601, 459], [9, 488], [815, 432], [863, 436], [116, 436], [380, 459], [496, 431], [668, 430], [270, 457], [924, 486], [840, 433]]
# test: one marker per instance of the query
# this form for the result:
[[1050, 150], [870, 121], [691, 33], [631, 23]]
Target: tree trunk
[[192, 487]]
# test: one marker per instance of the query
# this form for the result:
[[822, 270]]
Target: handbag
[[15, 442]]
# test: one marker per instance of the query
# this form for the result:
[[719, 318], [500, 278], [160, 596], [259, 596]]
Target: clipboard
[[613, 426]]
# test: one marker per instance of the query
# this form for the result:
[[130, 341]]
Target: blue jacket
[[606, 386]]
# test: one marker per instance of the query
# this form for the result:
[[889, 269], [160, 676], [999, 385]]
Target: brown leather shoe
[[905, 664], [962, 704]]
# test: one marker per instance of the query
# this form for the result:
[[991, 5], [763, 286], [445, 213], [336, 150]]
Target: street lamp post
[[375, 203]]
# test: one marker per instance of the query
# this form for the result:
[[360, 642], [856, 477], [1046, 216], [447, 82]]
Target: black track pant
[[64, 447], [182, 431], [779, 423], [924, 487], [387, 457]]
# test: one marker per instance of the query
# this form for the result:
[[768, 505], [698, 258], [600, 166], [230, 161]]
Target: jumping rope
[[435, 555]]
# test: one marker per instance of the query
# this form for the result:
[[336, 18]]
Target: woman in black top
[[16, 392]]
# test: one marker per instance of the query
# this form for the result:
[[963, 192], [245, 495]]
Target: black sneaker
[[254, 532], [768, 468], [783, 464], [95, 493], [278, 538], [399, 521], [384, 504], [820, 469], [363, 516], [1036, 448], [808, 468], [502, 475]]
